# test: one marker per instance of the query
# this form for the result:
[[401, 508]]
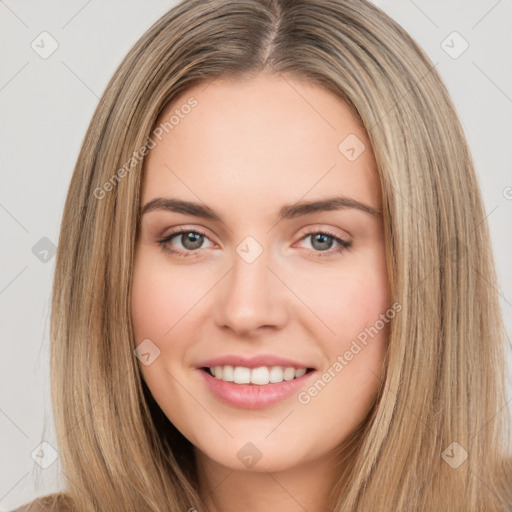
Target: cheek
[[349, 301], [360, 316], [161, 297], [346, 386], [151, 306]]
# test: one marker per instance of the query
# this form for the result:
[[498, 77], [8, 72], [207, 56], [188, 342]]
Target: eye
[[190, 241], [322, 242]]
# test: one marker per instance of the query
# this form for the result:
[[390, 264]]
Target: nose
[[251, 298]]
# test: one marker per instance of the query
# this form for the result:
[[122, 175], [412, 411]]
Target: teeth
[[260, 376]]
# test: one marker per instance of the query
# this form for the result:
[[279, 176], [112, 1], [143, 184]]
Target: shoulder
[[57, 502]]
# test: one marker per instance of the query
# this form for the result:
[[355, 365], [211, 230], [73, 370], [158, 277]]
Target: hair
[[443, 377]]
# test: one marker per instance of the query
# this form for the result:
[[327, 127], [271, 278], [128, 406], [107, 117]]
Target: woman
[[274, 284]]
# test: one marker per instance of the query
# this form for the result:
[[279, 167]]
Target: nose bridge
[[252, 296]]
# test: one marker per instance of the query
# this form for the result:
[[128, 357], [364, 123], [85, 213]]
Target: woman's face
[[280, 263]]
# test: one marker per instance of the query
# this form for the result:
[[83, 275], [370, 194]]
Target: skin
[[245, 150]]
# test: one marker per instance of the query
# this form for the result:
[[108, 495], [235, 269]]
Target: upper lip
[[252, 362]]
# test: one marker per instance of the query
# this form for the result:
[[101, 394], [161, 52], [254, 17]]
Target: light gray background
[[46, 105]]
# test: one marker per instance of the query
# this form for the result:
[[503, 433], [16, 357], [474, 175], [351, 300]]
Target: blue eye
[[324, 239], [192, 240]]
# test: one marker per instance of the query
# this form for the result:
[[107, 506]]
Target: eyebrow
[[289, 211]]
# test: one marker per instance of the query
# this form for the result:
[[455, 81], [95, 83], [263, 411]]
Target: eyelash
[[343, 244]]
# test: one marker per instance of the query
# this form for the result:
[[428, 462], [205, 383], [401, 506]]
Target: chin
[[255, 457]]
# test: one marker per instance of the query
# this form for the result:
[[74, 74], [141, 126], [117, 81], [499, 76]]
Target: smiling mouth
[[261, 376]]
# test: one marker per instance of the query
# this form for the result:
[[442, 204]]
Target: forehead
[[269, 138]]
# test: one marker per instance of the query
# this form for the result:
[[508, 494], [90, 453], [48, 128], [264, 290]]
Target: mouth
[[252, 388], [261, 376]]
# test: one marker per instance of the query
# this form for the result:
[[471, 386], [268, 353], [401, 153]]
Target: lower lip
[[253, 396]]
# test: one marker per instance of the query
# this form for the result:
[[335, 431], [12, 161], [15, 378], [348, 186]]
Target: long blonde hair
[[443, 380]]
